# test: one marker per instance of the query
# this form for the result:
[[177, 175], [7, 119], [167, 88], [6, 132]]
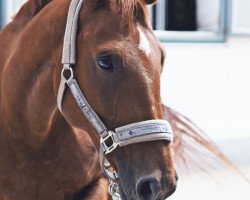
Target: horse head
[[118, 68]]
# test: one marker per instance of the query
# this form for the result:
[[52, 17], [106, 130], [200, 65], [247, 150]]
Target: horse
[[49, 154]]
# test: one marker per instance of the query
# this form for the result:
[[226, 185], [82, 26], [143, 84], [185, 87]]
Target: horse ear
[[150, 1]]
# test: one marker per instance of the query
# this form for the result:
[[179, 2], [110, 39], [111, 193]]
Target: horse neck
[[28, 101], [30, 9]]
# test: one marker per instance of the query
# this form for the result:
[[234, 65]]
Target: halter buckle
[[114, 190], [109, 173], [108, 143]]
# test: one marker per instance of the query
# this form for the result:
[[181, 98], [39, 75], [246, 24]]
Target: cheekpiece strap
[[86, 109], [69, 60], [69, 46]]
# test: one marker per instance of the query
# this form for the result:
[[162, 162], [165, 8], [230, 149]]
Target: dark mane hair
[[30, 9], [134, 8]]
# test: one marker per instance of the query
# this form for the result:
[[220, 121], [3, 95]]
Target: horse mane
[[30, 9]]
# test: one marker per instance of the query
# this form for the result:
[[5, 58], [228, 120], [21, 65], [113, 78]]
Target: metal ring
[[71, 73], [109, 174], [114, 190]]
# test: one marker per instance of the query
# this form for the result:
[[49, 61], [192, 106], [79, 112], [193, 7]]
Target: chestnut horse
[[49, 156]]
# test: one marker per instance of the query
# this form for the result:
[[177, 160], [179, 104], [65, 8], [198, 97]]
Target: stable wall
[[210, 83]]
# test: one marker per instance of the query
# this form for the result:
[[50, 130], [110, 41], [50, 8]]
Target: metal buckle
[[114, 190], [108, 148], [62, 85], [112, 175]]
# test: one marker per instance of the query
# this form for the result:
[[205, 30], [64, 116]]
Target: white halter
[[150, 130]]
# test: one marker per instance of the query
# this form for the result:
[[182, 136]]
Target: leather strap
[[86, 109], [69, 46], [145, 131]]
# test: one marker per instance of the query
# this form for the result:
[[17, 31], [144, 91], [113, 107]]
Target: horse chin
[[170, 192], [160, 197]]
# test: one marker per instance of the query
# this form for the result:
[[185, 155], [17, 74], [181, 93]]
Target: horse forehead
[[144, 42]]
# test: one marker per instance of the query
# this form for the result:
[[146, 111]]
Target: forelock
[[129, 9]]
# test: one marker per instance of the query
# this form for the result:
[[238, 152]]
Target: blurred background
[[207, 78]]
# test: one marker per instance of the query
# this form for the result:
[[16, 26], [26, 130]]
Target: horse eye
[[105, 63]]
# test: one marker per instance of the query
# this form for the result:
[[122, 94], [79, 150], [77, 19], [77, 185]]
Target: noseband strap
[[145, 131]]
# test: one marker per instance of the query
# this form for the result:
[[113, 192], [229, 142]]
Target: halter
[[145, 131]]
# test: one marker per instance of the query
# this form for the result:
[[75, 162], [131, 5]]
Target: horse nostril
[[147, 189]]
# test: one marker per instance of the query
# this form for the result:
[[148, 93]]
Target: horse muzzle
[[149, 188], [146, 182]]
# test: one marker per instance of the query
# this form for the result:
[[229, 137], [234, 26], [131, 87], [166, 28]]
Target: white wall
[[211, 9], [210, 83], [11, 7], [241, 16]]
